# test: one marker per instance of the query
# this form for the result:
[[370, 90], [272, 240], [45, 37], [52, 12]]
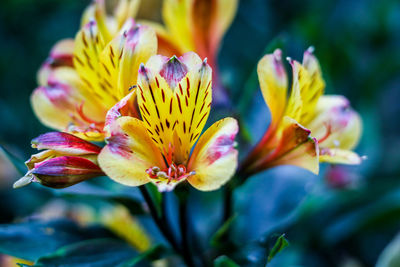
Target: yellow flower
[[84, 78], [195, 25], [306, 127], [174, 98]]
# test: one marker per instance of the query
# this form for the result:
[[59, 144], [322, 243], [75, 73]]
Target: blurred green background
[[330, 221]]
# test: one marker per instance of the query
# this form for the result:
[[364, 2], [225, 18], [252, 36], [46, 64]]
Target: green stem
[[236, 181], [165, 230], [184, 223]]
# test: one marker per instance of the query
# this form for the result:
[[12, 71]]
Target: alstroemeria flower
[[174, 98], [75, 94], [306, 127], [67, 160], [195, 25]]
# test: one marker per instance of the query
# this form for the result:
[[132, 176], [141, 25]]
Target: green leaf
[[221, 235], [224, 261], [280, 244], [31, 240], [152, 254], [96, 252], [17, 162], [86, 192]]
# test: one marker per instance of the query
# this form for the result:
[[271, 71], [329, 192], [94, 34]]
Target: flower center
[[169, 175]]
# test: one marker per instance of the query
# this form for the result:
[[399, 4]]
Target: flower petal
[[339, 156], [125, 107], [140, 45], [274, 83], [176, 16], [210, 20], [121, 58], [296, 147], [182, 110], [129, 153], [166, 43], [65, 143], [125, 10], [214, 159], [48, 103], [61, 55], [307, 88], [61, 172], [89, 43], [316, 85], [336, 124]]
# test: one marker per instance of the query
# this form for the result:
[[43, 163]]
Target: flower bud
[[68, 160]]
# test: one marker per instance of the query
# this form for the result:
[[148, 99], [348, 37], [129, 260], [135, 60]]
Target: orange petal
[[296, 147]]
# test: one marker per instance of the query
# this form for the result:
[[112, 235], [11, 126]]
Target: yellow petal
[[294, 107], [125, 10], [214, 159], [307, 88], [120, 221], [88, 46], [129, 152], [174, 98], [88, 134], [176, 16], [339, 156], [274, 83], [140, 45], [89, 13], [51, 106], [316, 87]]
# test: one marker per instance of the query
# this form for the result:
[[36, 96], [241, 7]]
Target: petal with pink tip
[[214, 159], [65, 143], [274, 84], [129, 153], [339, 156]]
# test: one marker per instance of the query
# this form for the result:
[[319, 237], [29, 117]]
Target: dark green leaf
[[17, 162], [221, 235], [92, 193], [152, 254], [224, 261], [280, 244], [31, 240], [95, 253]]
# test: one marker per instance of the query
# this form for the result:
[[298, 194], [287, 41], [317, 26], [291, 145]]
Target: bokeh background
[[347, 216]]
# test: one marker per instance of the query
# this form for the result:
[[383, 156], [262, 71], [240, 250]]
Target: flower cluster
[[146, 90]]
